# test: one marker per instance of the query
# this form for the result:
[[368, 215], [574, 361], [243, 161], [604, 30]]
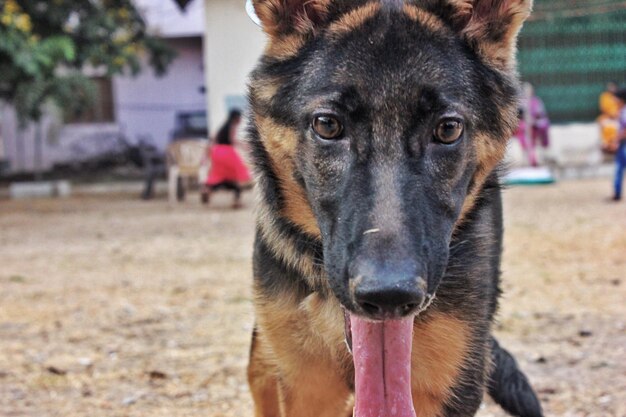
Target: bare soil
[[116, 307]]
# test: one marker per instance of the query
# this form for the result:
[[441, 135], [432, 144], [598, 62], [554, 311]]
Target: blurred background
[[125, 254]]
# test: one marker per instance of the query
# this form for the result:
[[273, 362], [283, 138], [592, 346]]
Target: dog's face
[[382, 121]]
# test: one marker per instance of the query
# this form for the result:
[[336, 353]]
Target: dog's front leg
[[304, 389], [298, 365], [262, 380], [314, 390]]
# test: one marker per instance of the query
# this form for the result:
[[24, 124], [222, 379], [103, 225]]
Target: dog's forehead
[[382, 62]]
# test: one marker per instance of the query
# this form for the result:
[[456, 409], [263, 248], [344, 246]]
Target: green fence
[[569, 50]]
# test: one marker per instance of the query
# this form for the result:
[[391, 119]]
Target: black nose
[[381, 301]]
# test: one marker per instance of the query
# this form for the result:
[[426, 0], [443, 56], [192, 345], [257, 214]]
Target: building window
[[102, 110]]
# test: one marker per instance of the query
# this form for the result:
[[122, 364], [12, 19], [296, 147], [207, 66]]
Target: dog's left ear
[[491, 27], [284, 17]]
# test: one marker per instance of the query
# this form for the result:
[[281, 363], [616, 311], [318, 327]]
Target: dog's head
[[382, 120]]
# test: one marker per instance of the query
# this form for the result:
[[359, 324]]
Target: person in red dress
[[228, 170]]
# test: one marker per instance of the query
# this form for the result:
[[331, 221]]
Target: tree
[[45, 45]]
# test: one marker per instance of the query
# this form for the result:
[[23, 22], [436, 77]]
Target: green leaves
[[55, 50], [44, 45], [72, 92]]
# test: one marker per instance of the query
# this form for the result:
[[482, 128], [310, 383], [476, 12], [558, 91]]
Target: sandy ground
[[115, 307]]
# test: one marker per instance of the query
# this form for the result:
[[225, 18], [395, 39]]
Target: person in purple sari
[[532, 113]]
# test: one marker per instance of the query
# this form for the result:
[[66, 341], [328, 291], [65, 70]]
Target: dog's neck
[[289, 245]]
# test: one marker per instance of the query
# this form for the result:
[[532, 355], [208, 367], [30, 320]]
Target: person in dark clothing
[[153, 162]]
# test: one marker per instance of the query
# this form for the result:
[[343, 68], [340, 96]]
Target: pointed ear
[[491, 27], [284, 17]]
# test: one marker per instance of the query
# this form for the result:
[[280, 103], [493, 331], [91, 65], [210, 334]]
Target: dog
[[377, 130]]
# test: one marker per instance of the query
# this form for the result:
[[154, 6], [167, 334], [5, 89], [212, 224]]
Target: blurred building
[[128, 108], [233, 46], [146, 106], [570, 49]]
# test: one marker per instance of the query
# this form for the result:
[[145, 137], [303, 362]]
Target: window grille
[[569, 50]]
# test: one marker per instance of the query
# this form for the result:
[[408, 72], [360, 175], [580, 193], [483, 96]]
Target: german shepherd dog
[[377, 129]]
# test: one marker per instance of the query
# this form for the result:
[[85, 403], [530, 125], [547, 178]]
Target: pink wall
[[147, 105]]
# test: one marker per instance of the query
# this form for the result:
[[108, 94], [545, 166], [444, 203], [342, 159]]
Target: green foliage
[[73, 93], [45, 45]]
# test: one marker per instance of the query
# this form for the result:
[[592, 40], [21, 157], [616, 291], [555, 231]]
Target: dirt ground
[[116, 307]]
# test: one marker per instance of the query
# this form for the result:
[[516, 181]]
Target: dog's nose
[[393, 300]]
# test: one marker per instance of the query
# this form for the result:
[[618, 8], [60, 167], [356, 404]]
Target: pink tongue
[[382, 363]]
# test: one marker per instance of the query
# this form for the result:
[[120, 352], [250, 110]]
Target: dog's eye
[[449, 131], [327, 127]]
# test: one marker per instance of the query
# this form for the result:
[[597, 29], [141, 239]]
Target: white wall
[[147, 104], [165, 18], [570, 144], [19, 146], [233, 44]]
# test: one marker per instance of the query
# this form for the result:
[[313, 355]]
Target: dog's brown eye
[[327, 127], [449, 131]]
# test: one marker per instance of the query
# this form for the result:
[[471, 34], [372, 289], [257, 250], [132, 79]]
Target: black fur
[[509, 387], [390, 81]]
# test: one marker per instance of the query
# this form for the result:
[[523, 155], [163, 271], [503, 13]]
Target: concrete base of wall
[[574, 153], [37, 189], [126, 187]]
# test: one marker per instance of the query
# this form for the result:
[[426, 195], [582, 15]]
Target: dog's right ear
[[489, 26], [285, 17]]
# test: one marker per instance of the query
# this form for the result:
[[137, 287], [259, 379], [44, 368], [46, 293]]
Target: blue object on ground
[[529, 176]]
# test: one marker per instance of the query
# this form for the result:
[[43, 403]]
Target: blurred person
[[608, 119], [228, 170], [532, 113], [620, 153], [154, 165]]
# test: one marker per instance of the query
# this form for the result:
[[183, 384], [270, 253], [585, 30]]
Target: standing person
[[533, 114], [228, 170], [153, 163], [608, 119], [620, 154]]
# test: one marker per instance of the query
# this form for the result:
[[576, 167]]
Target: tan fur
[[352, 20], [299, 362], [264, 90], [440, 346], [284, 247], [281, 142], [285, 47], [267, 11], [425, 19], [476, 15], [279, 16], [489, 152], [301, 346], [316, 391], [288, 23], [501, 54], [262, 381], [462, 10]]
